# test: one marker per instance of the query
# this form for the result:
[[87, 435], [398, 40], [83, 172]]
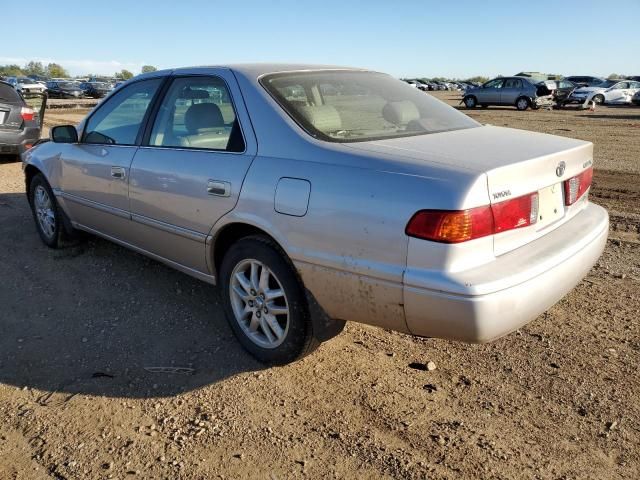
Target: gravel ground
[[114, 366]]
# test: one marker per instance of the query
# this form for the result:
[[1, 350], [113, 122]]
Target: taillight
[[27, 114], [449, 226], [516, 213], [455, 226], [576, 186]]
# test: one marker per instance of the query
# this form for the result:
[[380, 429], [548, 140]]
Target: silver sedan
[[315, 195]]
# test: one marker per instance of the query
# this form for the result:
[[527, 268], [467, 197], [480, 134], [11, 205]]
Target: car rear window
[[354, 106], [9, 95]]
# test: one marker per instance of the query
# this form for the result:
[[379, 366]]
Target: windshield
[[606, 83], [347, 106], [67, 85]]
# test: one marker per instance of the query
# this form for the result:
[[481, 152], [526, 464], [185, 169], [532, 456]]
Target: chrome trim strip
[[90, 203], [167, 227], [211, 279]]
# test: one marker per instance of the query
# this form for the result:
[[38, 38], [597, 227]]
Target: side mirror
[[64, 134]]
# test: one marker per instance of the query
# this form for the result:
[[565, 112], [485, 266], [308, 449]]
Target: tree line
[[55, 70]]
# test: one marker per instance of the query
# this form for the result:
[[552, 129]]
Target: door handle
[[218, 188], [118, 172]]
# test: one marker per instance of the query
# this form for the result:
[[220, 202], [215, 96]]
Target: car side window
[[118, 121], [497, 83], [197, 112], [621, 86], [512, 83]]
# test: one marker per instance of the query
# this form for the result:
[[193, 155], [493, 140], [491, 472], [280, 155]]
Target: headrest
[[400, 113], [323, 117], [191, 94], [202, 115]]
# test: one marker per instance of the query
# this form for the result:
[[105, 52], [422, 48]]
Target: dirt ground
[[114, 366]]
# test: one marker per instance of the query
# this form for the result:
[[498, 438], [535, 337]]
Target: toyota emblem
[[560, 169]]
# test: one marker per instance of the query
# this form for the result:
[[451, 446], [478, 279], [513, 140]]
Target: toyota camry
[[315, 195]]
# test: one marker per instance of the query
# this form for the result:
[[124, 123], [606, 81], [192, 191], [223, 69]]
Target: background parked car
[[609, 91], [95, 89], [564, 89], [19, 125], [585, 81], [519, 92], [636, 98], [25, 85], [64, 90]]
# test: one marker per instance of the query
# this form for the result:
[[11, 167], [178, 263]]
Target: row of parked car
[[62, 87], [525, 91], [433, 85]]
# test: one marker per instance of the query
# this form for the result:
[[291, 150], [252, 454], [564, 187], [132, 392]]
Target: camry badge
[[560, 169]]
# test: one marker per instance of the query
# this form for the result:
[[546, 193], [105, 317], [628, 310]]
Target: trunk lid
[[515, 162]]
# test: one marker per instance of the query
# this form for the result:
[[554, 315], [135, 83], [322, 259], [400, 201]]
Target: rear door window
[[118, 121], [197, 112], [513, 83]]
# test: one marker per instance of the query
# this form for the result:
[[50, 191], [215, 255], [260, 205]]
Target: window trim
[[146, 136], [143, 123]]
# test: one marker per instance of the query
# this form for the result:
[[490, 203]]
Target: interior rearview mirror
[[64, 134]]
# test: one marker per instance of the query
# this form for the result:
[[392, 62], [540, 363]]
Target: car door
[[490, 92], [190, 169], [617, 93], [510, 91], [94, 177], [634, 87]]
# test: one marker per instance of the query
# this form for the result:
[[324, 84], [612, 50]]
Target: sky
[[404, 38]]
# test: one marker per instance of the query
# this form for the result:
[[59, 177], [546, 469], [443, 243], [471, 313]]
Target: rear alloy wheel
[[470, 101], [598, 99], [522, 103], [259, 303], [265, 302]]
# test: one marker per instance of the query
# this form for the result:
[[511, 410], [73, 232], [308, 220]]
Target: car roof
[[256, 69]]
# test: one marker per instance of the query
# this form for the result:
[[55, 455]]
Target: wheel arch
[[30, 171], [230, 233]]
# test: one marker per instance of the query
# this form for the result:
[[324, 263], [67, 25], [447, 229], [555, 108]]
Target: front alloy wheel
[[470, 102], [45, 214], [49, 217]]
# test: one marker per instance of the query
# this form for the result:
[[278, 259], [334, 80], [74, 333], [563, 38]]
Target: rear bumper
[[518, 286], [14, 142]]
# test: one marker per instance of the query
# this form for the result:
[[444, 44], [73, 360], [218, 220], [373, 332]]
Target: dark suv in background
[[19, 123], [95, 89], [584, 81]]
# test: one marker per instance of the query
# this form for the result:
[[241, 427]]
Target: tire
[[250, 310], [470, 101], [522, 103], [53, 227], [598, 99]]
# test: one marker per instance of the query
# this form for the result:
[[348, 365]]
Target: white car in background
[[609, 91], [26, 85]]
